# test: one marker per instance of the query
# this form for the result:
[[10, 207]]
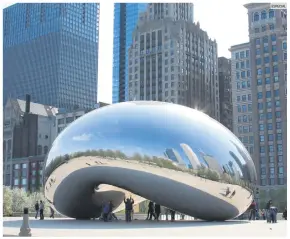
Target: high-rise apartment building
[[51, 53], [126, 16], [268, 45], [174, 61], [242, 95], [225, 92]]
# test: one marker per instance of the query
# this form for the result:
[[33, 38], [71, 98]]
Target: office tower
[[242, 95], [225, 92], [174, 61], [51, 53], [173, 11], [126, 16], [268, 46]]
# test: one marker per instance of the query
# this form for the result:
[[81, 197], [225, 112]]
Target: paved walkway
[[71, 227]]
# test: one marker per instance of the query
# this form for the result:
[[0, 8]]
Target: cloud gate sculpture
[[175, 156]]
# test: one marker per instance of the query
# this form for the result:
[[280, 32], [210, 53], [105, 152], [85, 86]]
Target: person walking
[[252, 211], [51, 212], [172, 215], [41, 208], [285, 214], [111, 214], [157, 211], [268, 205], [36, 207], [128, 208], [150, 212]]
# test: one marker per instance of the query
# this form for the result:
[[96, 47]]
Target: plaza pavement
[[69, 227]]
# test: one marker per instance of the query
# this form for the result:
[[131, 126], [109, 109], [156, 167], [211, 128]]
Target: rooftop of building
[[35, 108], [239, 46]]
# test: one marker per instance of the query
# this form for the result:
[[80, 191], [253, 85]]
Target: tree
[[7, 201], [19, 199]]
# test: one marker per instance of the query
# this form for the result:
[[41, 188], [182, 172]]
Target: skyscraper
[[51, 53], [268, 46], [126, 16], [174, 61], [225, 92], [242, 95]]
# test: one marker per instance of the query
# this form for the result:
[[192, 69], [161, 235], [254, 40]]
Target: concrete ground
[[69, 227]]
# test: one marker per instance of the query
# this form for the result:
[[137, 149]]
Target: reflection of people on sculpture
[[157, 211], [252, 211], [51, 212], [172, 212], [150, 212], [128, 208], [233, 194], [106, 211], [227, 191]]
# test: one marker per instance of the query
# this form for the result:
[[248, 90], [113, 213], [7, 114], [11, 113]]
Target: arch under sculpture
[[120, 148]]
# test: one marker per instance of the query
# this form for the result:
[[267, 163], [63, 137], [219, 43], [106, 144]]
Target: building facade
[[126, 16], [174, 61], [27, 173], [268, 47], [65, 117], [242, 95], [29, 131], [225, 92], [51, 52]]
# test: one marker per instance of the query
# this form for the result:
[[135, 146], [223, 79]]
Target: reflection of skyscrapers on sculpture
[[102, 151]]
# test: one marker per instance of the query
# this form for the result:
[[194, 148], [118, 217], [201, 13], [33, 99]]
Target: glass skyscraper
[[125, 20], [51, 53]]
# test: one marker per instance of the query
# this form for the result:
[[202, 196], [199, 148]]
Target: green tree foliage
[[16, 199]]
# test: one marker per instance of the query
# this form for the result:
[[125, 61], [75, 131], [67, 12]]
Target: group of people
[[107, 213], [39, 209], [154, 210], [269, 213]]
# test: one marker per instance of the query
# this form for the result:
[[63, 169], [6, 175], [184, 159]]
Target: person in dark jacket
[[252, 211], [150, 212], [285, 214], [36, 207], [41, 209], [128, 208], [268, 205], [172, 215], [106, 210], [111, 214], [157, 211]]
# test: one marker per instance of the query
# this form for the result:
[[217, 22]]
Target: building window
[[259, 71], [257, 40], [285, 56], [45, 149], [281, 170], [244, 98], [271, 148], [16, 182], [279, 148], [260, 106], [256, 17], [242, 54], [276, 79], [274, 48], [250, 128], [271, 26], [269, 105], [262, 149], [247, 53], [270, 137], [267, 70], [263, 182], [237, 55], [250, 107], [268, 94], [265, 39], [277, 103], [266, 49], [258, 61], [278, 114], [262, 138], [261, 116], [245, 118], [60, 121], [16, 166], [39, 150], [270, 126], [267, 81], [261, 127], [271, 13], [264, 28], [266, 60], [275, 58], [249, 97], [284, 45], [272, 181], [281, 181], [269, 115], [251, 139], [279, 136], [263, 15], [259, 82], [238, 75], [258, 51], [260, 95], [23, 181], [24, 165]]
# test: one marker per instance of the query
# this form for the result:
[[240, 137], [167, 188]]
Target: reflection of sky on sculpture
[[149, 129]]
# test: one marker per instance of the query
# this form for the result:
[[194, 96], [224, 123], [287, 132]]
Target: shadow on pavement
[[91, 224]]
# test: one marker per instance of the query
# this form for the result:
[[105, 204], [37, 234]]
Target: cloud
[[82, 137]]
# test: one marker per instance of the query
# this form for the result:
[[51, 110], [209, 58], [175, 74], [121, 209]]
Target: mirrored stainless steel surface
[[170, 154]]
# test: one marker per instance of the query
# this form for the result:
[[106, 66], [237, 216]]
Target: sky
[[224, 20]]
